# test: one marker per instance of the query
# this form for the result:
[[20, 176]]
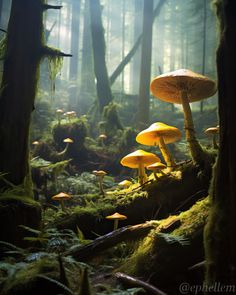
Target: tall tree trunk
[[74, 45], [146, 55], [138, 5], [103, 86], [1, 2], [19, 83], [204, 45], [220, 238]]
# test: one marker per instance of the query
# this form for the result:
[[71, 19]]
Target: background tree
[[98, 42], [145, 71]]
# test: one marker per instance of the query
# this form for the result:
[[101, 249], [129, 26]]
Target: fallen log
[[138, 283], [127, 233]]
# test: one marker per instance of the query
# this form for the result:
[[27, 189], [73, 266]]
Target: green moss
[[55, 63], [27, 274], [156, 252]]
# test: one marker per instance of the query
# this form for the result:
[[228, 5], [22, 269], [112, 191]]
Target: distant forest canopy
[[183, 36]]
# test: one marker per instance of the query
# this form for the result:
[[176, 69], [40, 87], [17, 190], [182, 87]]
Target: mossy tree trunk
[[220, 238], [98, 42], [24, 51]]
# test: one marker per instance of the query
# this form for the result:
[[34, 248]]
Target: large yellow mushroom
[[183, 87], [160, 134], [139, 160]]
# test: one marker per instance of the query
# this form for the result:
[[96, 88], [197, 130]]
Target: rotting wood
[[130, 232]]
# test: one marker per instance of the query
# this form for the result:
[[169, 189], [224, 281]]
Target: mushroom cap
[[156, 166], [102, 136], [35, 142], [212, 130], [61, 196], [168, 87], [68, 140], [151, 135], [116, 216], [99, 173], [133, 160], [125, 183], [59, 111]]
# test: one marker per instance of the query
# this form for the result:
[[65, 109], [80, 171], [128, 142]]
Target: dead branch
[[47, 6], [130, 232], [47, 51], [138, 283]]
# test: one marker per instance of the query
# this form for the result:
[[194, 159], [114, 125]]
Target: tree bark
[[98, 42], [24, 51], [19, 83], [220, 238]]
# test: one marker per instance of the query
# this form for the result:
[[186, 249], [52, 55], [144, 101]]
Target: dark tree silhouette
[[220, 238]]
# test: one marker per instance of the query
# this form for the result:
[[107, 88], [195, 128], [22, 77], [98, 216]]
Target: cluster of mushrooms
[[179, 87]]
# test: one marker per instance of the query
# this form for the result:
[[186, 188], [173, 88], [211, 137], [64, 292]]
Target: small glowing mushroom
[[68, 141], [183, 87], [61, 197], [35, 143], [102, 138], [139, 159], [160, 134], [70, 115], [59, 113], [100, 175], [125, 183], [213, 131], [116, 217], [157, 167]]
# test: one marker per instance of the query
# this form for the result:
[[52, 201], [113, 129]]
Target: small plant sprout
[[213, 131], [100, 175], [59, 113], [157, 167], [61, 197], [160, 134], [116, 217], [139, 160]]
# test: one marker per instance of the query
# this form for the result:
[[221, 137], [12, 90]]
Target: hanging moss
[[55, 63]]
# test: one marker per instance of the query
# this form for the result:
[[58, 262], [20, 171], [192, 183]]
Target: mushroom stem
[[166, 153], [142, 177], [116, 221], [62, 153], [63, 208], [195, 148], [155, 175], [214, 143], [101, 185]]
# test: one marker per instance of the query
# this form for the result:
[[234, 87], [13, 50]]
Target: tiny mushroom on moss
[[61, 197], [100, 175], [116, 217], [139, 159], [160, 134], [102, 138], [125, 183], [213, 131], [183, 87], [59, 113], [68, 141], [157, 167]]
